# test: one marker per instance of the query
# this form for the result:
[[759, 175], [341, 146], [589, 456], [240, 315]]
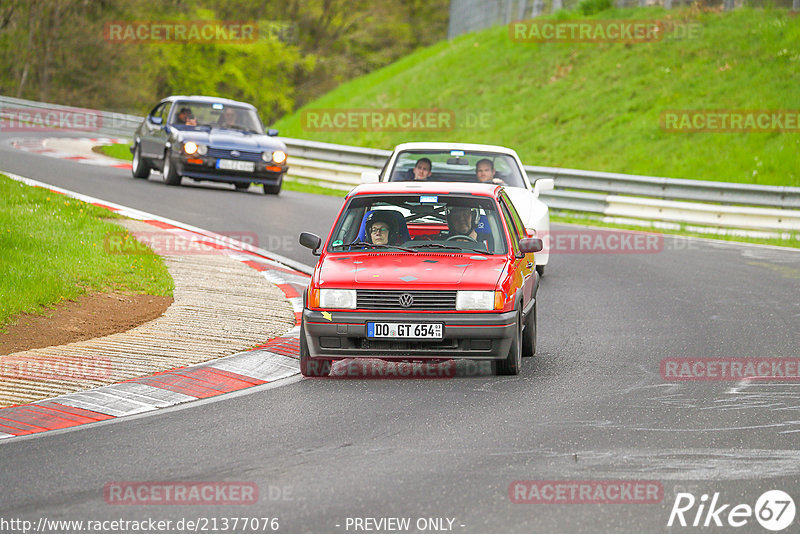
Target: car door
[[155, 132], [524, 267]]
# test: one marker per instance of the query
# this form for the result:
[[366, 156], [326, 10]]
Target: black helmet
[[384, 217], [473, 219]]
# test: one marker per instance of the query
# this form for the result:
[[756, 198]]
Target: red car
[[422, 271]]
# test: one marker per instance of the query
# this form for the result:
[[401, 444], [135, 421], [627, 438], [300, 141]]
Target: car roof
[[431, 145], [424, 188], [207, 99]]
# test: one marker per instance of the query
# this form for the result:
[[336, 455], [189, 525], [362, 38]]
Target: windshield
[[197, 115], [457, 166], [416, 223]]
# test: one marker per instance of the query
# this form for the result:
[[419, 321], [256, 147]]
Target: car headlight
[[337, 298], [475, 300], [202, 150], [266, 156], [189, 147], [279, 156]]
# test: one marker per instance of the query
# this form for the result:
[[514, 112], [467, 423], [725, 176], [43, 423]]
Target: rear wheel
[[139, 167], [171, 176], [513, 362], [529, 334], [540, 270], [308, 366]]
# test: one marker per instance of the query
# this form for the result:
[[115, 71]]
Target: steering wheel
[[461, 237]]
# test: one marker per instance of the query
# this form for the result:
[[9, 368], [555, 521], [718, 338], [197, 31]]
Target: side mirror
[[156, 120], [369, 177], [543, 184], [530, 244], [311, 241], [272, 132]]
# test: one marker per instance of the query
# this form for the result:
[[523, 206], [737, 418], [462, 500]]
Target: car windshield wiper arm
[[365, 244], [453, 247]]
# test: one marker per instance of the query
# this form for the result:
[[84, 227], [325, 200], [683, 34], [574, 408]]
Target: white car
[[458, 162]]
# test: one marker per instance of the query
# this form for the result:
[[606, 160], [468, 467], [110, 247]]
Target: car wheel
[[309, 367], [171, 176], [529, 334], [241, 186], [273, 189], [540, 270], [139, 167], [513, 362]]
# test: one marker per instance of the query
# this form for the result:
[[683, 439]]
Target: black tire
[[171, 176], [309, 367], [241, 186], [540, 270], [139, 167], [529, 334], [273, 189], [513, 362]]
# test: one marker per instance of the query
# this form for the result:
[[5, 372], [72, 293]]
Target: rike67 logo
[[774, 510]]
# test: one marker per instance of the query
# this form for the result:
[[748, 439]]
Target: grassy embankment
[[52, 250]]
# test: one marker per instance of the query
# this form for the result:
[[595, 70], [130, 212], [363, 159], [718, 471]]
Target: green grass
[[119, 151], [597, 106], [52, 250]]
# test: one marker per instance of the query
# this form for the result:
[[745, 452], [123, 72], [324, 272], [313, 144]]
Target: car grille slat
[[244, 155], [390, 300]]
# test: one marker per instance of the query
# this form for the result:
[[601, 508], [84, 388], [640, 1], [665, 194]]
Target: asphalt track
[[591, 405]]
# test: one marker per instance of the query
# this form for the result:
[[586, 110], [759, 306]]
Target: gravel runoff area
[[221, 307]]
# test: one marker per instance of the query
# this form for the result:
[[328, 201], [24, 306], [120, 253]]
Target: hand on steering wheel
[[461, 237]]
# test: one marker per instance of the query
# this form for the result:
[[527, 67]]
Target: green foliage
[[597, 105], [590, 7]]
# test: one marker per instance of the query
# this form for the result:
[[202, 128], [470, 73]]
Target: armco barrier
[[713, 204]]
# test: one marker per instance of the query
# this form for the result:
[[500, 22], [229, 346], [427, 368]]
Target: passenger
[[185, 117], [381, 229], [484, 171], [228, 118], [420, 172]]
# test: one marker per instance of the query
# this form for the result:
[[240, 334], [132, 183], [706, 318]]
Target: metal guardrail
[[717, 204]]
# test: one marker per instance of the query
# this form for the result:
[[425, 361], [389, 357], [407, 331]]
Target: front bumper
[[477, 336], [207, 171]]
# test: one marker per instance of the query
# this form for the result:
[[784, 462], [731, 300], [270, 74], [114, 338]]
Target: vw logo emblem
[[235, 153], [406, 300]]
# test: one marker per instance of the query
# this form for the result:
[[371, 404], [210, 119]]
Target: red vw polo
[[422, 271]]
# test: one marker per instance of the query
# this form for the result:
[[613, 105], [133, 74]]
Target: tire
[[513, 362], [241, 186], [171, 176], [309, 367], [273, 189], [529, 334], [540, 270], [139, 167]]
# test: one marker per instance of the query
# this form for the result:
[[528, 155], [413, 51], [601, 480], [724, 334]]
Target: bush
[[590, 7]]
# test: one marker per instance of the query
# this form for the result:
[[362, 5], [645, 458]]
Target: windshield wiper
[[373, 245], [451, 247]]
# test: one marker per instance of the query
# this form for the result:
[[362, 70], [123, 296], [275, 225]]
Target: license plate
[[233, 165], [405, 330]]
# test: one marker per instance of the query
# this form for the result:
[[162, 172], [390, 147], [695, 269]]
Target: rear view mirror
[[457, 161], [543, 184], [530, 244], [312, 241], [272, 132], [369, 177], [155, 120]]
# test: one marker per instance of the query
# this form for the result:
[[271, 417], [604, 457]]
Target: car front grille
[[226, 154], [391, 300]]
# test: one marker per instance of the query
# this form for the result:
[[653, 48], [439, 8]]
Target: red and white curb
[[274, 360], [77, 149]]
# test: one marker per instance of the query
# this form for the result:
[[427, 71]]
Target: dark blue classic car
[[207, 138]]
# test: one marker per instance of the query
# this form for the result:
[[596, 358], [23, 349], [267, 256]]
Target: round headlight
[[266, 156], [189, 147], [202, 150], [279, 156]]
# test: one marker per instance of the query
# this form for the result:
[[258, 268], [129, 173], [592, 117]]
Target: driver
[[462, 221]]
